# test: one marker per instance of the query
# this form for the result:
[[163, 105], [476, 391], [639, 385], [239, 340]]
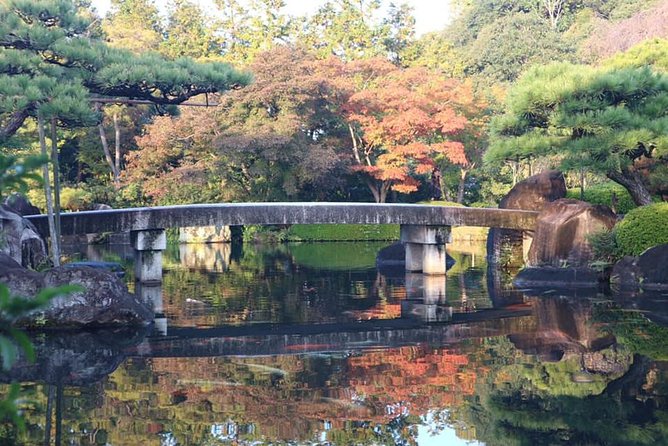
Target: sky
[[430, 15]]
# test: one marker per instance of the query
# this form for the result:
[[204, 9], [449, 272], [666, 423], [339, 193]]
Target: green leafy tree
[[606, 120], [133, 25], [249, 31], [188, 33], [354, 30]]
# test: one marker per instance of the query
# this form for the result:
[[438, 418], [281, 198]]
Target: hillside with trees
[[347, 104]]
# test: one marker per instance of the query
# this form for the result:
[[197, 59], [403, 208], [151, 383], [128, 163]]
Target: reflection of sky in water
[[432, 433], [446, 437]]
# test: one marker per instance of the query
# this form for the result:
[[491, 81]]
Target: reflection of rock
[[205, 234], [562, 231], [500, 288], [105, 300], [205, 256], [609, 361], [20, 239], [506, 246], [648, 271], [563, 326], [79, 358]]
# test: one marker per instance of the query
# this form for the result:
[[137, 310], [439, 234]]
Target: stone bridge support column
[[425, 248], [148, 245]]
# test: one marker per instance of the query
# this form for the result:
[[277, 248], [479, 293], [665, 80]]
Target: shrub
[[604, 246], [602, 194], [71, 199], [643, 228]]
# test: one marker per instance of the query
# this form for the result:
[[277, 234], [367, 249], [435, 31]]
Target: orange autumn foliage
[[401, 119]]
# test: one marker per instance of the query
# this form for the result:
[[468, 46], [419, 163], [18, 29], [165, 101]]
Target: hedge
[[602, 194], [643, 228]]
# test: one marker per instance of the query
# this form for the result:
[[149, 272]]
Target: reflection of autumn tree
[[415, 377]]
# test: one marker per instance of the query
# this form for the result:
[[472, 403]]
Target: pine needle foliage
[[51, 64], [596, 118]]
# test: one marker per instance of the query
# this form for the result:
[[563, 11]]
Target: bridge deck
[[121, 220]]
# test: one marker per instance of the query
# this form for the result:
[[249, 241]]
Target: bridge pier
[[425, 248], [148, 246]]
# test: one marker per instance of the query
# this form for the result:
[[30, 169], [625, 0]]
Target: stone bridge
[[425, 229]]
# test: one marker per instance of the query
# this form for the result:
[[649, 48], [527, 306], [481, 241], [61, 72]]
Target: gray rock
[[626, 274], [21, 205], [535, 192], [20, 281], [100, 207], [19, 239], [104, 301], [653, 268]]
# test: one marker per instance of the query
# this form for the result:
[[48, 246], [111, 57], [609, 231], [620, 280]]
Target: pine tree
[[612, 121]]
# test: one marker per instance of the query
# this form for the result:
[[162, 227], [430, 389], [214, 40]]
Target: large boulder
[[21, 205], [562, 232], [104, 301], [20, 240], [535, 192], [506, 246]]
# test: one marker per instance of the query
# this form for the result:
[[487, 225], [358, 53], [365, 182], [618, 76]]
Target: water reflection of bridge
[[277, 339]]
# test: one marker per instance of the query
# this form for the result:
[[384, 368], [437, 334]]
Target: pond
[[305, 344]]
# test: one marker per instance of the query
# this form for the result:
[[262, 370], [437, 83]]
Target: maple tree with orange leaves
[[399, 120]]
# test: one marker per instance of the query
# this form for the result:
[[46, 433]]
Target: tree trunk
[[56, 176], [384, 189], [633, 183], [55, 243], [117, 159], [107, 152], [375, 190], [463, 172]]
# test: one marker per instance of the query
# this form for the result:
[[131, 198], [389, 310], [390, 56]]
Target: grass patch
[[340, 232]]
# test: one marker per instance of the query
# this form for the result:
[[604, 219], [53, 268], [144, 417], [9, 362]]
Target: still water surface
[[311, 344]]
